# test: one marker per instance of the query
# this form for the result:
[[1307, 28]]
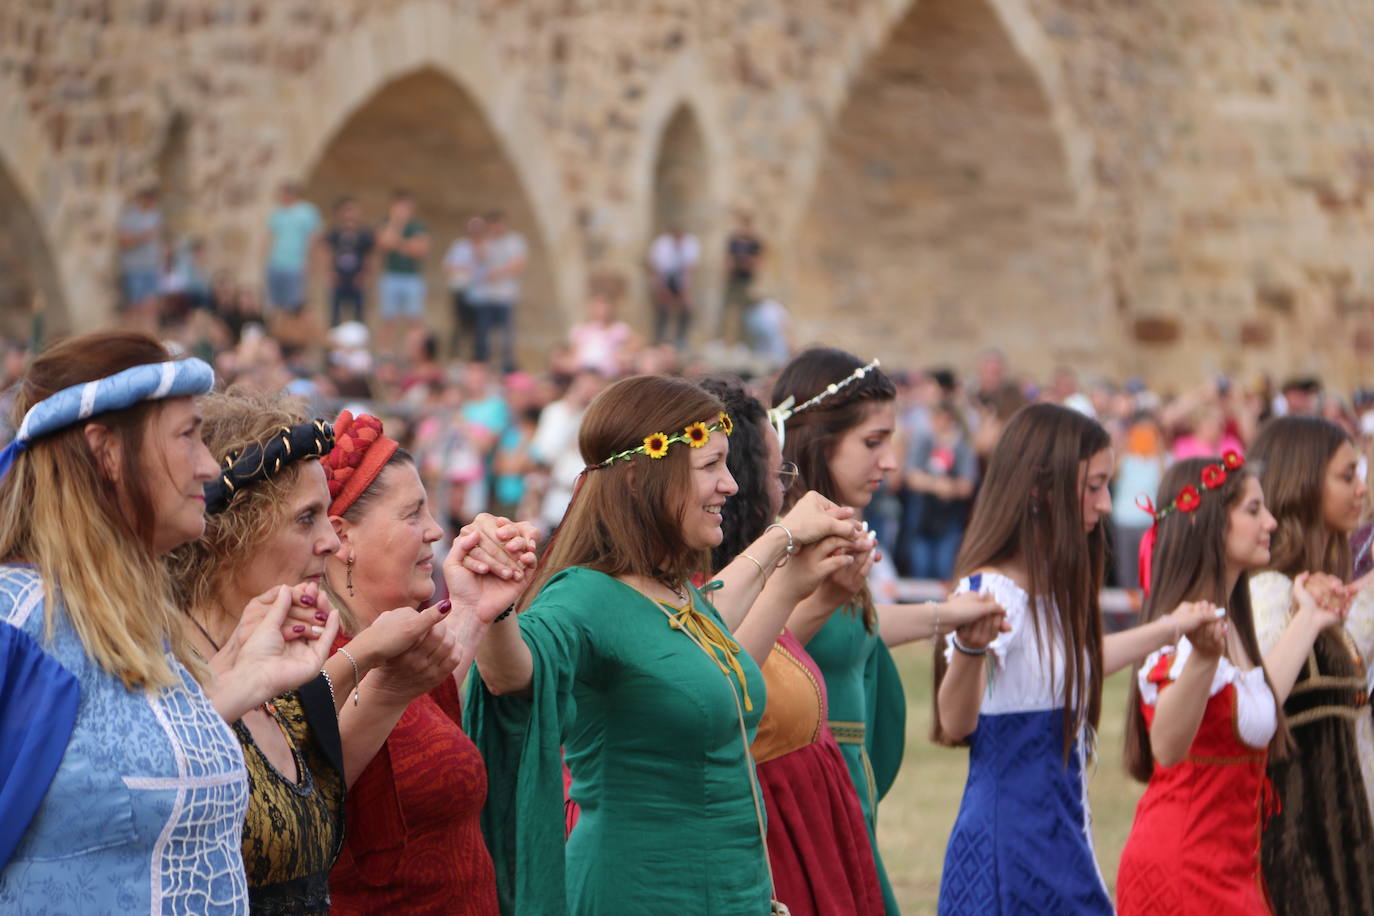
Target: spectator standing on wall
[[348, 246], [140, 259], [495, 294], [292, 229], [743, 252], [404, 242], [673, 260], [462, 268]]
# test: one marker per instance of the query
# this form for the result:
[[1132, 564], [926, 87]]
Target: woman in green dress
[[628, 669], [836, 417]]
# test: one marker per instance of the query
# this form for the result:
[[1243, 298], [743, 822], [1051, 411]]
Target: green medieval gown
[[867, 714], [650, 732]]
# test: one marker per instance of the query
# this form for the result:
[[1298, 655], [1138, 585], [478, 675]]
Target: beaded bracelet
[[966, 650]]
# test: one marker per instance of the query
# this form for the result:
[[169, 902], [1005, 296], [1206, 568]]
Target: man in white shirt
[[493, 297], [673, 260], [463, 268]]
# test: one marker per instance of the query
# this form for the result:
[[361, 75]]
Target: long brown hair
[[626, 518], [1189, 564], [814, 433], [1294, 453], [1030, 507], [60, 511]]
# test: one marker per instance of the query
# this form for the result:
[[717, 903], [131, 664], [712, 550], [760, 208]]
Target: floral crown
[[656, 444], [1213, 476], [779, 415]]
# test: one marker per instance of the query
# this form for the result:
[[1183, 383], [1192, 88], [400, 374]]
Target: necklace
[[673, 585], [267, 705]]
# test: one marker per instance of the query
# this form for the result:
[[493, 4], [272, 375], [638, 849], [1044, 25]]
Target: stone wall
[[1156, 188]]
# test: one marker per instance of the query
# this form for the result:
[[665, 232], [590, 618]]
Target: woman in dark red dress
[[1202, 719], [413, 844]]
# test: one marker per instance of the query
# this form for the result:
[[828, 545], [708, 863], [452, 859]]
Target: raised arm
[[1284, 662], [960, 697], [1179, 709], [900, 624], [1120, 650]]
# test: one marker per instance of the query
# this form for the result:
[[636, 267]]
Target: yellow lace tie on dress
[[721, 648]]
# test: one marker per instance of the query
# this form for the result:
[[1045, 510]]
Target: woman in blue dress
[[1025, 695], [137, 796]]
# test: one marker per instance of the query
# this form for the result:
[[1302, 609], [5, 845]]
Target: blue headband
[[150, 382]]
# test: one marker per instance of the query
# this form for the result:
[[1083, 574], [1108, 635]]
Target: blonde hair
[[235, 420], [60, 511]]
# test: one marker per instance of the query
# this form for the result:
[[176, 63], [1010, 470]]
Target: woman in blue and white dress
[[1025, 694], [131, 798]]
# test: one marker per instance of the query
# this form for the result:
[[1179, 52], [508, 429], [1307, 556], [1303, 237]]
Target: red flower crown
[[1213, 477]]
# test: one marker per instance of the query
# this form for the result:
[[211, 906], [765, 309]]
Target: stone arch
[[949, 200], [30, 192], [454, 57], [173, 168], [424, 133]]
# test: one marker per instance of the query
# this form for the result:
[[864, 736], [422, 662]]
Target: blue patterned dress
[[145, 812], [1022, 842]]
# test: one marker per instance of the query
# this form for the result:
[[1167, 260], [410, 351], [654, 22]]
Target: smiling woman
[[628, 670]]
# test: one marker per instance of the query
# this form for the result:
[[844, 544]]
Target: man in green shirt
[[403, 242]]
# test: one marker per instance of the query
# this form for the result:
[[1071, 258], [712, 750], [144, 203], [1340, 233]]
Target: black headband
[[261, 461]]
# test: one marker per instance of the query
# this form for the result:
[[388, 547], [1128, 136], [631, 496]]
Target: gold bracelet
[[762, 572]]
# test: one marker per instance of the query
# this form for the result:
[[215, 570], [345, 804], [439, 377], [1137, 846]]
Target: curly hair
[[234, 420], [749, 511]]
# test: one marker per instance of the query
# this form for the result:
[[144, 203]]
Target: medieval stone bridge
[[1164, 188]]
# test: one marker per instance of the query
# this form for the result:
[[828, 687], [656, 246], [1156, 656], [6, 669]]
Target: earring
[[348, 565]]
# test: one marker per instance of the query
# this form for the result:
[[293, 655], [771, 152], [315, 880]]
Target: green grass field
[[915, 818]]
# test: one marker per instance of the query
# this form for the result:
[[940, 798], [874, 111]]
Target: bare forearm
[[504, 661], [1120, 650], [1285, 661], [743, 580], [809, 616], [365, 726], [961, 695], [899, 624], [766, 618], [1178, 713]]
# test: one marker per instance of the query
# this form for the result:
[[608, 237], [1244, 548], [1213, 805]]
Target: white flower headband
[[779, 415]]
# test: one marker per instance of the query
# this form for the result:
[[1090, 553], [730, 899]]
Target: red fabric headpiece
[[360, 452]]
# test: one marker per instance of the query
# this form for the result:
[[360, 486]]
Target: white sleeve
[[1271, 597]]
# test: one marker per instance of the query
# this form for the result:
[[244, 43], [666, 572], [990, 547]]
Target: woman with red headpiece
[[417, 783]]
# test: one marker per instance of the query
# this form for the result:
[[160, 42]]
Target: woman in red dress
[[416, 790], [1202, 718]]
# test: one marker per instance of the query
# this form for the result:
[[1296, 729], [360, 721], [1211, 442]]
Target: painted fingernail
[[445, 606], [316, 631], [321, 616], [308, 600], [298, 628]]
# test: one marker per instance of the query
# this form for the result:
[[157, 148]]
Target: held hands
[[420, 667], [977, 619], [816, 563], [268, 654], [848, 580], [814, 517], [1323, 596], [491, 563], [1206, 626]]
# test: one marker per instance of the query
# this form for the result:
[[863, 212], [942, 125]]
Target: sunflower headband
[[260, 461], [656, 444], [779, 415], [1213, 477]]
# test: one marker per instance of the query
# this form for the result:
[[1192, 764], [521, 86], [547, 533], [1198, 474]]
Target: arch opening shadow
[[424, 133], [28, 275], [681, 200], [943, 215]]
